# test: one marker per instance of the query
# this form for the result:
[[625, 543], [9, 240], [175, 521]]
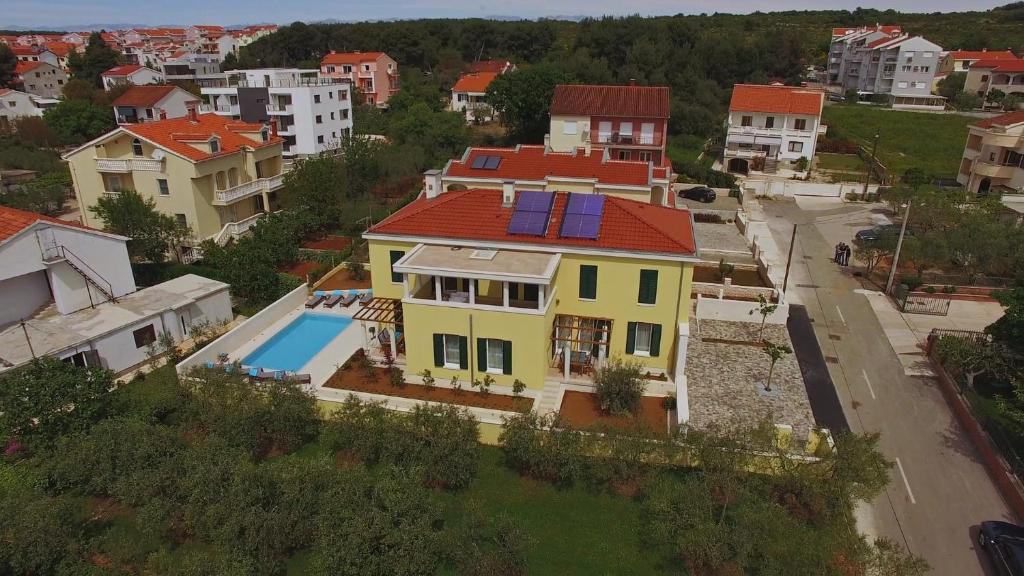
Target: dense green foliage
[[8, 62], [152, 234], [78, 120], [44, 194], [94, 61]]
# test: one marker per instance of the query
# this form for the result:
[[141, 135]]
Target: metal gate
[[919, 303]]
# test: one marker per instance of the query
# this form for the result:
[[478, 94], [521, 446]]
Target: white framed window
[[623, 154], [796, 146], [604, 131], [569, 127], [214, 146], [165, 190], [646, 156], [901, 84], [642, 344], [452, 356], [113, 183], [346, 69], [800, 124], [928, 54], [495, 356], [647, 133], [136, 147], [625, 129]]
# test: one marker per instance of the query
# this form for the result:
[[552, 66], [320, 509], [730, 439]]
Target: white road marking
[[840, 314], [905, 483], [870, 389]]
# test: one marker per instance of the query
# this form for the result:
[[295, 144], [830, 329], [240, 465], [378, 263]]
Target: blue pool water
[[292, 347]]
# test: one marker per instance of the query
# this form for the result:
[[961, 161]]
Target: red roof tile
[[24, 50], [477, 82], [124, 70], [168, 134], [13, 221], [626, 225], [489, 66], [982, 55], [143, 96], [1007, 119], [628, 101], [1015, 65], [350, 57], [776, 99], [22, 68], [61, 49], [532, 163]]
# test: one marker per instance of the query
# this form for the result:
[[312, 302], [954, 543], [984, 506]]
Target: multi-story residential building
[[1005, 75], [901, 68], [313, 114], [993, 159], [15, 104], [35, 54], [40, 79], [213, 173], [584, 170], [771, 123], [961, 60], [532, 285], [631, 122], [149, 103], [130, 74], [374, 74], [250, 34], [845, 42], [470, 92], [68, 292], [203, 69]]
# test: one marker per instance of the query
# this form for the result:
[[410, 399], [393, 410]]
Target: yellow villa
[[215, 174], [532, 285]]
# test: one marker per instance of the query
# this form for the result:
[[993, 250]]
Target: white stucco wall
[[21, 296]]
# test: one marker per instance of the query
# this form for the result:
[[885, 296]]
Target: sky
[[62, 13]]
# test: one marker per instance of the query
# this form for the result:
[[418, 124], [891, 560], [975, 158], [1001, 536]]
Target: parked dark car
[[1003, 543], [836, 97], [700, 193], [873, 234]]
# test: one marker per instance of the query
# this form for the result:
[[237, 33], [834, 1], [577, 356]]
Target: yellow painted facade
[[191, 186], [562, 142], [530, 332]]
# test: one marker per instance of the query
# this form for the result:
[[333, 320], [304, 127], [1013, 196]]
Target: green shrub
[[488, 546], [534, 446], [619, 386], [428, 378], [912, 282], [396, 377], [517, 387]]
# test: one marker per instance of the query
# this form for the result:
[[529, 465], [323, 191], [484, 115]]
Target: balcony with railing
[[279, 109], [995, 169], [236, 229], [129, 164], [247, 189], [627, 139]]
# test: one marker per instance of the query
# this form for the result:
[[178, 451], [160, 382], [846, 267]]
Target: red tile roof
[[350, 57], [1007, 119], [626, 225], [776, 99], [24, 50], [22, 68], [144, 96], [477, 82], [170, 133], [61, 49], [13, 221], [627, 101], [124, 70], [982, 55], [489, 66], [879, 42], [1015, 65], [532, 163]]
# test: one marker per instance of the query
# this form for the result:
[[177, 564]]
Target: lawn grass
[[932, 142], [841, 162], [572, 530]]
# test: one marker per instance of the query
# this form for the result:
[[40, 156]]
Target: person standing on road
[[835, 254], [846, 254]]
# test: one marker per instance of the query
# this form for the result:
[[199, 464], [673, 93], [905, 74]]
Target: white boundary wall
[[245, 331], [737, 311], [783, 187]]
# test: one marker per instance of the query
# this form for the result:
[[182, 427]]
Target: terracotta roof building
[[618, 101], [1004, 74], [776, 99], [375, 74], [771, 123], [149, 103], [469, 95], [993, 159]]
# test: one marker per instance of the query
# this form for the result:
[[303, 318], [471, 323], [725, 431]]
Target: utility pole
[[27, 339], [871, 168], [789, 259], [899, 245]]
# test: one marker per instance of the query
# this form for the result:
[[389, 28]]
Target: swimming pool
[[294, 346]]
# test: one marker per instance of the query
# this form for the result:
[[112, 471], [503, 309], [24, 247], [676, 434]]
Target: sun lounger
[[348, 300], [332, 300], [314, 300], [365, 298], [300, 378]]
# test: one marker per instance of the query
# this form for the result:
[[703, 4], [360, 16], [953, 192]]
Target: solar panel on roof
[[492, 163], [580, 226], [479, 161], [532, 223], [535, 201], [592, 204]]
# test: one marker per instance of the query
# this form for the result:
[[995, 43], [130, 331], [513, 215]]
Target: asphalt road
[[939, 490]]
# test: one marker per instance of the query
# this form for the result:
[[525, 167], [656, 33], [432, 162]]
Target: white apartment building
[[844, 43], [313, 114], [903, 68], [68, 292], [770, 123], [130, 74], [203, 69]]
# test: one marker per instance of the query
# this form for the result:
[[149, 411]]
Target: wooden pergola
[[381, 311], [580, 334]]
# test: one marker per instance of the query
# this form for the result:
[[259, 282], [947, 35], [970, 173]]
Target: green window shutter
[[655, 339], [630, 337], [481, 354], [438, 350], [648, 287], [463, 352], [506, 357], [588, 281], [396, 255]]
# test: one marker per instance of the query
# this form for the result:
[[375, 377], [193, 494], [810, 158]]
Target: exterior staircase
[[771, 165], [548, 400], [60, 253]]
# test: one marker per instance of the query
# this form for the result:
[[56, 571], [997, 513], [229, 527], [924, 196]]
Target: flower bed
[[581, 410], [328, 243], [355, 378]]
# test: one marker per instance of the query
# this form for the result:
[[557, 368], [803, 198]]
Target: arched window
[[233, 177], [220, 180], [136, 147]]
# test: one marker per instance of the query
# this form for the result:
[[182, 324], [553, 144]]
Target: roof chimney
[[163, 114], [273, 127], [192, 113], [632, 81], [432, 183], [508, 193]]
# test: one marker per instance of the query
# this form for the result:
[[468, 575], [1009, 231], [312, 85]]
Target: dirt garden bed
[[341, 280], [328, 243], [581, 410], [299, 269], [740, 276], [356, 379]]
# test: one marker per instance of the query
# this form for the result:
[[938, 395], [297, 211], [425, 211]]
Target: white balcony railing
[[236, 229], [129, 164], [223, 197], [279, 109]]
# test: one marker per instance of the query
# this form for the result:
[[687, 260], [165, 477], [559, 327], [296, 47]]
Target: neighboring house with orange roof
[[533, 167], [68, 292], [469, 93], [631, 122], [961, 60], [130, 74], [35, 54], [62, 50], [1003, 74], [993, 159], [375, 74], [40, 79], [215, 174], [150, 103], [769, 123], [499, 66]]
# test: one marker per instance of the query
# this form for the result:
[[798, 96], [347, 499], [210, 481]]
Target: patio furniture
[[300, 378], [365, 298], [349, 300], [580, 361], [314, 300], [332, 300]]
